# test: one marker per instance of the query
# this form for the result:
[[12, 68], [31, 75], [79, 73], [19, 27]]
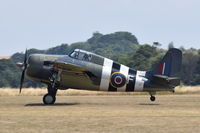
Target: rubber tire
[[49, 97], [152, 98]]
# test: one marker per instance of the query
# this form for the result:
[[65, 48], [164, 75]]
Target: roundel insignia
[[117, 80]]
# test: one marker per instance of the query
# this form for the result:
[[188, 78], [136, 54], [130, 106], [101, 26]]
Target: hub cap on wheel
[[49, 99]]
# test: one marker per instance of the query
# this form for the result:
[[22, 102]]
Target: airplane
[[84, 70]]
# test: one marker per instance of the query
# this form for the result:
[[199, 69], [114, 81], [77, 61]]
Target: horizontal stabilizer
[[165, 80]]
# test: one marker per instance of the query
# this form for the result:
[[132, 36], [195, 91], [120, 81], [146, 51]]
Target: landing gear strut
[[50, 97]]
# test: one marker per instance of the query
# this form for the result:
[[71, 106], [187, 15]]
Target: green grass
[[72, 92], [99, 114]]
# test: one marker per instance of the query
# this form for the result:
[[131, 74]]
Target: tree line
[[122, 47]]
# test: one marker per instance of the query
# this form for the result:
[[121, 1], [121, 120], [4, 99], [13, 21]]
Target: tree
[[171, 45], [157, 44], [141, 60], [189, 65], [122, 47], [117, 46], [10, 73]]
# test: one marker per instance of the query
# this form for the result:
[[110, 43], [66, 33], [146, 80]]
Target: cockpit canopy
[[81, 55], [86, 56]]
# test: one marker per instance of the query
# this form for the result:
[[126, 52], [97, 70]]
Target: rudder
[[170, 65]]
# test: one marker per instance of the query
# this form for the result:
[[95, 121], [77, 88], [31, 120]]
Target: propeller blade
[[23, 72], [25, 59], [22, 81]]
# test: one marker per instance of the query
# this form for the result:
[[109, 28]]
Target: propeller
[[24, 67]]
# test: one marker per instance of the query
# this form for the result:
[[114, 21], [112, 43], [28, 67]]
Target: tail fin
[[170, 65], [167, 72]]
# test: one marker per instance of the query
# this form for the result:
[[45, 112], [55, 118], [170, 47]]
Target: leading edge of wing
[[68, 67]]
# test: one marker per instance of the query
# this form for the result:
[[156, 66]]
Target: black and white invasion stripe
[[134, 79]]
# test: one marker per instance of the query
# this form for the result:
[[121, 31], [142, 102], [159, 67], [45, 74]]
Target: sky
[[43, 24]]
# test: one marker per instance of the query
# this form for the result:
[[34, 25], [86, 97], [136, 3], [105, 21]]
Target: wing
[[64, 66], [68, 67], [72, 69]]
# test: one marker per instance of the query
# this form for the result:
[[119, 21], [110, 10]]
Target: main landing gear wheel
[[49, 99], [152, 98]]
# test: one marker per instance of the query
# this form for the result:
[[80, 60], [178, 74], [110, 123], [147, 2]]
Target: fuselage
[[102, 73]]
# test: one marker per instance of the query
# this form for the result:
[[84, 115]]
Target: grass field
[[101, 114], [71, 92]]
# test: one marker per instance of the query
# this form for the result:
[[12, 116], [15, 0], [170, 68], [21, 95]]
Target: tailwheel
[[152, 98], [49, 99]]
